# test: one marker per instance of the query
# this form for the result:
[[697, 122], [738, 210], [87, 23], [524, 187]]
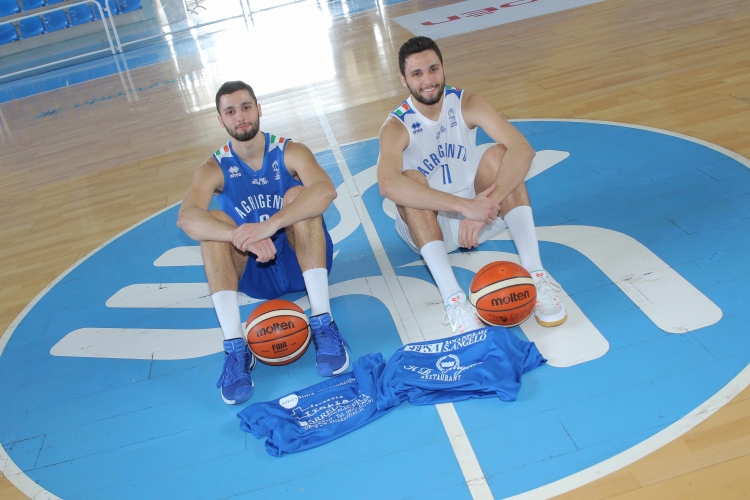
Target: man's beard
[[416, 95], [247, 134]]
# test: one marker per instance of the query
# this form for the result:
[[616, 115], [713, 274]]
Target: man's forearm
[[311, 202], [412, 194], [200, 225], [513, 169]]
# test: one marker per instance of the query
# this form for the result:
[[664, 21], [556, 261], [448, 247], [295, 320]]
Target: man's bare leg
[[515, 209], [423, 224], [224, 265], [311, 255], [307, 239], [516, 212], [428, 237]]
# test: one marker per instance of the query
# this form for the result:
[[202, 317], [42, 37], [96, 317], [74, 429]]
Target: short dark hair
[[231, 88], [416, 45]]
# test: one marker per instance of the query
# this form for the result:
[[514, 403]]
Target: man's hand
[[263, 249], [482, 208], [468, 233], [247, 234]]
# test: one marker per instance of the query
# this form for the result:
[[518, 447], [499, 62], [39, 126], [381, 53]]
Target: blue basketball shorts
[[282, 275]]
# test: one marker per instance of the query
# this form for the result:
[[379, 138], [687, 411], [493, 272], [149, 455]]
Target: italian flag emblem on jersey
[[223, 152], [401, 110], [276, 142]]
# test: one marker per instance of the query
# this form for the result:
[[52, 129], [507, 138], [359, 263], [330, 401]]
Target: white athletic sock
[[520, 222], [316, 282], [227, 305], [436, 257]]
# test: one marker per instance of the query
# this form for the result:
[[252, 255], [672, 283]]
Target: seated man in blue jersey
[[269, 237], [448, 196]]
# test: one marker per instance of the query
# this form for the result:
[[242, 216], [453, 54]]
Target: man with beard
[[430, 168], [269, 237]]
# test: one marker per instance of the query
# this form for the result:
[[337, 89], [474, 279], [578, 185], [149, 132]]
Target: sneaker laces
[[455, 312], [547, 290], [235, 368], [328, 340]]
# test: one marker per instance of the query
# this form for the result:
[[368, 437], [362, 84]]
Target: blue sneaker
[[235, 383], [330, 347]]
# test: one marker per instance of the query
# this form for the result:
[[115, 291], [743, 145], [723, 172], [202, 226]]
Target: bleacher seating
[[128, 5], [112, 6], [30, 27], [55, 21], [8, 7], [49, 19], [31, 4], [8, 33], [80, 14]]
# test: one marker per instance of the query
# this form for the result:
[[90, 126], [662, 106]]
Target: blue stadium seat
[[55, 21], [31, 4], [8, 33], [8, 7], [80, 14], [30, 27], [128, 5], [54, 1], [112, 6]]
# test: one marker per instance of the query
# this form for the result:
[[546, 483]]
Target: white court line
[[462, 448]]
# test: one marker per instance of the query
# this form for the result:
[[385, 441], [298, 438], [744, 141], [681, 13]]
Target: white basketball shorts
[[449, 222]]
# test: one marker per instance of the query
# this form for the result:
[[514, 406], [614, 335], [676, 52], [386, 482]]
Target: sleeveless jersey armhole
[[407, 133], [461, 111], [217, 159], [223, 175]]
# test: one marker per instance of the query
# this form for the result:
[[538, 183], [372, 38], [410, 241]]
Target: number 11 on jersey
[[446, 174]]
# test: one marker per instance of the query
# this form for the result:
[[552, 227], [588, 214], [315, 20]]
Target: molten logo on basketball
[[276, 327], [511, 297]]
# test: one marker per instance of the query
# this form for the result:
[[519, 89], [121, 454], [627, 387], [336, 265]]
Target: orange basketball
[[503, 293], [278, 332]]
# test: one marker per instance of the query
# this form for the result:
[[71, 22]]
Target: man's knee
[[488, 167], [292, 193], [494, 155], [416, 175], [214, 254], [419, 177]]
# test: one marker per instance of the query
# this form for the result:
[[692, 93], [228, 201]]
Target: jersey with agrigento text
[[444, 151], [250, 196]]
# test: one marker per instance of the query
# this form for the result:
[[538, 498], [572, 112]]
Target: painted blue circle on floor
[[101, 424]]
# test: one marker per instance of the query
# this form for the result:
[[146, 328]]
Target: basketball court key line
[[460, 443]]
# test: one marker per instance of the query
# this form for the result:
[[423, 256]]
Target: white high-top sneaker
[[549, 311], [461, 315]]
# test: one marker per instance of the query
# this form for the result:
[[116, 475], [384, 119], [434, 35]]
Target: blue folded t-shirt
[[484, 363], [320, 413]]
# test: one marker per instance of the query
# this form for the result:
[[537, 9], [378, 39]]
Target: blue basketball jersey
[[484, 363], [250, 196], [320, 413]]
